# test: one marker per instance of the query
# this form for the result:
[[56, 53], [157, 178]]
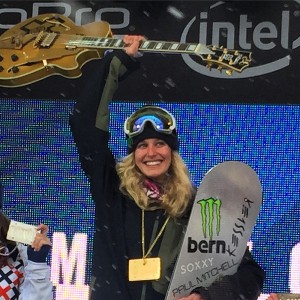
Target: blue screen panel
[[43, 181]]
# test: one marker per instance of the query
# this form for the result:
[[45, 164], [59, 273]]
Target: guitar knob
[[1, 58], [15, 69], [1, 69], [14, 57]]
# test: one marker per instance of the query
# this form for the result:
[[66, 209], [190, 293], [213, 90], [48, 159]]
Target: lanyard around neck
[[157, 237]]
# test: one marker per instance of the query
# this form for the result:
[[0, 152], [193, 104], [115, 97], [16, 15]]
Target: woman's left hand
[[193, 296]]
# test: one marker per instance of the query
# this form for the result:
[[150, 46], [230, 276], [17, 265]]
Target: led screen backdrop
[[43, 182]]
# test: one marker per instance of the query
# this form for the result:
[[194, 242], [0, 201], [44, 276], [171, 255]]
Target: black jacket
[[117, 217]]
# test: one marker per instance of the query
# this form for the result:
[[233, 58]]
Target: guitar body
[[23, 60]]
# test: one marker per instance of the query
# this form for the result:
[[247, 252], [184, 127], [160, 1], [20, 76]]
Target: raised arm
[[90, 119]]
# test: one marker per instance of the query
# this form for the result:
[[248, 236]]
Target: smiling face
[[153, 157]]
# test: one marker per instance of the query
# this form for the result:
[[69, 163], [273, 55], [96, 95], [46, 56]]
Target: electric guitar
[[51, 44]]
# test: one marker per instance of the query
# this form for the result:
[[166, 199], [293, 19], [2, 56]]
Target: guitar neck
[[145, 46]]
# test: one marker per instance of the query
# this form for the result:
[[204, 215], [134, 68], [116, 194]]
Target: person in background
[[24, 273], [142, 202]]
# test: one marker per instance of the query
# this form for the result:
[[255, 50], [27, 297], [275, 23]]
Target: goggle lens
[[161, 120]]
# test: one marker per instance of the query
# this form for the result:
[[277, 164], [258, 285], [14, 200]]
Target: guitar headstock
[[230, 60]]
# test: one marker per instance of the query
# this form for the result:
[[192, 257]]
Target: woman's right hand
[[273, 296]]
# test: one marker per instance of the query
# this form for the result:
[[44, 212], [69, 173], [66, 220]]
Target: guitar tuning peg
[[221, 47], [236, 52], [229, 72], [214, 48], [209, 56], [231, 62], [225, 50], [220, 68]]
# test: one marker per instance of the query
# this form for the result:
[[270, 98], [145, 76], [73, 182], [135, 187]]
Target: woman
[[24, 273], [143, 202]]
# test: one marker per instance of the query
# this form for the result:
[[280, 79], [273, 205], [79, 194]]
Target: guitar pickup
[[48, 39]]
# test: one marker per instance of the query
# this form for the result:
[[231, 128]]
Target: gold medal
[[144, 269]]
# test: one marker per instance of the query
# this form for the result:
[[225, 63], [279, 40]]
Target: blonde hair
[[178, 187]]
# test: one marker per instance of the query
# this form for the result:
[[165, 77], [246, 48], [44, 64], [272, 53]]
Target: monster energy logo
[[207, 212]]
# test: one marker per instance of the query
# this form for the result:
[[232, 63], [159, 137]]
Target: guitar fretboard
[[151, 46]]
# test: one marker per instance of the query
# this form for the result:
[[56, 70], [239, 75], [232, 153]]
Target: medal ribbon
[[157, 237]]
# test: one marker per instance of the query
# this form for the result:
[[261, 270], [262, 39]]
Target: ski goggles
[[160, 118]]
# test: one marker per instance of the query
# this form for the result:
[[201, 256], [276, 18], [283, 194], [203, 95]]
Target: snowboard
[[223, 215]]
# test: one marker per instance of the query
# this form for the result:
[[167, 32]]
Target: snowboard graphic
[[222, 219]]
